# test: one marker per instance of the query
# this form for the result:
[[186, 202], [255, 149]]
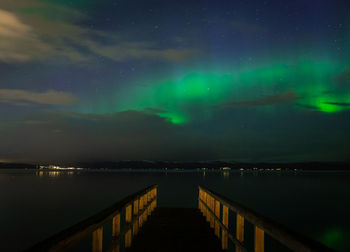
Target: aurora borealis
[[174, 80], [210, 90]]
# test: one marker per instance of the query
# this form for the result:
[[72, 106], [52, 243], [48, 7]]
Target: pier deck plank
[[176, 229]]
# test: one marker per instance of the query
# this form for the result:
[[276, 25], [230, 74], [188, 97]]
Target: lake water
[[35, 205]]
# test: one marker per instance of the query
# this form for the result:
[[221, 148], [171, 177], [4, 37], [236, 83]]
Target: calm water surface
[[35, 205]]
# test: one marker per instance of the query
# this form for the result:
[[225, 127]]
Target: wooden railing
[[136, 208], [216, 209]]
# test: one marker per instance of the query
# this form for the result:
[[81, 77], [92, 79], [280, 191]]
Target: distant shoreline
[[183, 166]]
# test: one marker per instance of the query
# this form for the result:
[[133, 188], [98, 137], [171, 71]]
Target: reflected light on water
[[226, 174], [54, 173]]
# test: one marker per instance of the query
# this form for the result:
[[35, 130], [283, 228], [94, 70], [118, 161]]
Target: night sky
[[184, 80]]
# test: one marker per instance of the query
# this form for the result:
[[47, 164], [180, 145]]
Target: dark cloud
[[286, 97], [307, 106], [342, 104], [22, 97], [64, 137]]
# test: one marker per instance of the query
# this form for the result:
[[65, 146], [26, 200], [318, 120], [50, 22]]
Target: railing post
[[136, 206], [135, 227], [116, 225], [201, 198], [240, 230], [140, 202], [225, 223], [217, 213], [128, 239], [155, 192], [146, 198], [140, 220], [148, 210], [128, 216], [212, 208], [97, 240], [259, 239]]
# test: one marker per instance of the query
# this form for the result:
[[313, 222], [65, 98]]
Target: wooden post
[[259, 239], [143, 201], [135, 227], [148, 210], [146, 199], [128, 239], [154, 204], [239, 230], [116, 225], [140, 221], [212, 208], [225, 222], [155, 192], [97, 240], [128, 216], [140, 202], [136, 207], [217, 214]]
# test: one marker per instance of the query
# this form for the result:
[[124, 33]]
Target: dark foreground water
[[35, 205]]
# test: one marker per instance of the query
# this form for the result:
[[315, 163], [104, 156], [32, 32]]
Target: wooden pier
[[176, 229], [138, 225]]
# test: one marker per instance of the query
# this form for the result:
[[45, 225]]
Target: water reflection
[[53, 174], [226, 174]]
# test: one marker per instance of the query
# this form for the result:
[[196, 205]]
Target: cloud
[[286, 97], [341, 104], [138, 50], [27, 33], [22, 97], [63, 137], [305, 106], [18, 41]]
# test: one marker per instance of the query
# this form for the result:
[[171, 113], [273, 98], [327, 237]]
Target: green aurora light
[[179, 99]]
